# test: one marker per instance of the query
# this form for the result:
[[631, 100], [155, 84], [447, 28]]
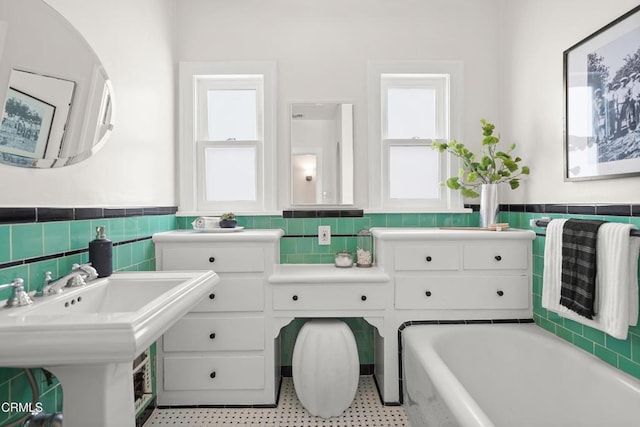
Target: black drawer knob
[[295, 297], [363, 297], [498, 258], [212, 259], [212, 335], [500, 293], [212, 374], [428, 293], [212, 296], [428, 259]]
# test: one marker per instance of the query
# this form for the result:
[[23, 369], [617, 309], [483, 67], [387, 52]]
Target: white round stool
[[325, 366]]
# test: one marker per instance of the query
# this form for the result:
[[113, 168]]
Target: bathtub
[[510, 375]]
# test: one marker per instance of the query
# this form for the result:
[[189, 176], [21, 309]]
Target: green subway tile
[[594, 335], [549, 326], [26, 241], [361, 224], [331, 222], [48, 401], [81, 233], [6, 374], [630, 367], [565, 334], [427, 220], [288, 245], [122, 257], [295, 259], [635, 348], [555, 318], [131, 228], [4, 397], [115, 228], [277, 222], [605, 354], [137, 253], [5, 243], [622, 347], [261, 222], [583, 343], [346, 226], [394, 220], [411, 220], [57, 237], [443, 220], [378, 220], [459, 220], [306, 245], [294, 227], [537, 285], [310, 226], [573, 326]]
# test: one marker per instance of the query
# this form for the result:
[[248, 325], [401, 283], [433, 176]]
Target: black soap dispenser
[[101, 253]]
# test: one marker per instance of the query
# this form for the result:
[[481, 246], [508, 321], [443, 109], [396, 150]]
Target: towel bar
[[543, 222]]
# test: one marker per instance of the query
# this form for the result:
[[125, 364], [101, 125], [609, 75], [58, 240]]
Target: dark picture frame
[[602, 102], [25, 125]]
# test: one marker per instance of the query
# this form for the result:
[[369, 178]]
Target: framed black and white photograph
[[26, 125], [602, 102]]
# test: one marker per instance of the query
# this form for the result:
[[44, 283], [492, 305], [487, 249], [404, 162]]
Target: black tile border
[[48, 214], [435, 323], [324, 213], [575, 209]]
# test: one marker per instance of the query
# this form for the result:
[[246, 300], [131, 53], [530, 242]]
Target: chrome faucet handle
[[19, 298], [90, 272]]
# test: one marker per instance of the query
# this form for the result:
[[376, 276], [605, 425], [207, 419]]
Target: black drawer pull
[[212, 296], [212, 259], [363, 297], [428, 293], [428, 259], [500, 293], [212, 374], [498, 258], [212, 335], [295, 297]]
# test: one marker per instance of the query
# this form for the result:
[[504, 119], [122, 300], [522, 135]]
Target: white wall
[[322, 48], [135, 41], [535, 33]]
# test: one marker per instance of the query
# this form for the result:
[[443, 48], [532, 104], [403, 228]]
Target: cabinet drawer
[[499, 256], [234, 294], [215, 334], [504, 292], [213, 373], [427, 257], [327, 297], [218, 258]]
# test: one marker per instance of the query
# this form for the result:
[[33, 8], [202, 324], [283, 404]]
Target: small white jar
[[344, 260]]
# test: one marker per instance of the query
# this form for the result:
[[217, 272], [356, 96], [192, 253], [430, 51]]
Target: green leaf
[[468, 192], [525, 170], [511, 165], [472, 177], [514, 183], [453, 183]]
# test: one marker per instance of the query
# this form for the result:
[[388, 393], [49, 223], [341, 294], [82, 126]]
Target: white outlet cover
[[324, 234]]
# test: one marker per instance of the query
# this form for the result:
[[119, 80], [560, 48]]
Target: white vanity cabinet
[[452, 275], [220, 352]]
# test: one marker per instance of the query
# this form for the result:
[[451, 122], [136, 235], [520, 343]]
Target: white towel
[[616, 302]]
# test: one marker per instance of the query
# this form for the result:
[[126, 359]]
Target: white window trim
[[451, 201], [190, 183]]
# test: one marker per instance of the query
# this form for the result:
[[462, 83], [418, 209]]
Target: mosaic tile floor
[[365, 411]]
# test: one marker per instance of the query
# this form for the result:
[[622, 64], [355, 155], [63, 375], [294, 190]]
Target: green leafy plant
[[228, 215], [492, 167]]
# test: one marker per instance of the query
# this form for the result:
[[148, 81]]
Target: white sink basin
[[89, 336]]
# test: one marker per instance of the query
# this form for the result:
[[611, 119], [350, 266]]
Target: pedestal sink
[[88, 337]]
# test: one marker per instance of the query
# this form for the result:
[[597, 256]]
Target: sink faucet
[[79, 276], [19, 297]]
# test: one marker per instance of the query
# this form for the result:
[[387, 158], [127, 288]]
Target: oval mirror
[[321, 154], [56, 97]]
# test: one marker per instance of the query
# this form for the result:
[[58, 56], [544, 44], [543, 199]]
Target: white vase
[[488, 204]]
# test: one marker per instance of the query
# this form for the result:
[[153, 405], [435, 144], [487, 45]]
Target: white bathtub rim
[[463, 406]]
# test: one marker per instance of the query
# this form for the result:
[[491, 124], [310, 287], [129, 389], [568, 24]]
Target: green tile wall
[[305, 250], [22, 242], [624, 355]]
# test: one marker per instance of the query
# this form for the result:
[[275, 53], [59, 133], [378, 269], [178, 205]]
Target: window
[[412, 103], [227, 137]]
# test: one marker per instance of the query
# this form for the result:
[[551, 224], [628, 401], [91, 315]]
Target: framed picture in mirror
[[26, 124]]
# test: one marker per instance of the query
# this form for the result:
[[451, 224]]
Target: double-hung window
[[411, 106], [227, 139]]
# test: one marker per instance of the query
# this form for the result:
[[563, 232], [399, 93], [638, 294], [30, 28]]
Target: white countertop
[[325, 273], [245, 235], [449, 233]]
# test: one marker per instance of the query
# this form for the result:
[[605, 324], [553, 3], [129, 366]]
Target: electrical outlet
[[324, 234]]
